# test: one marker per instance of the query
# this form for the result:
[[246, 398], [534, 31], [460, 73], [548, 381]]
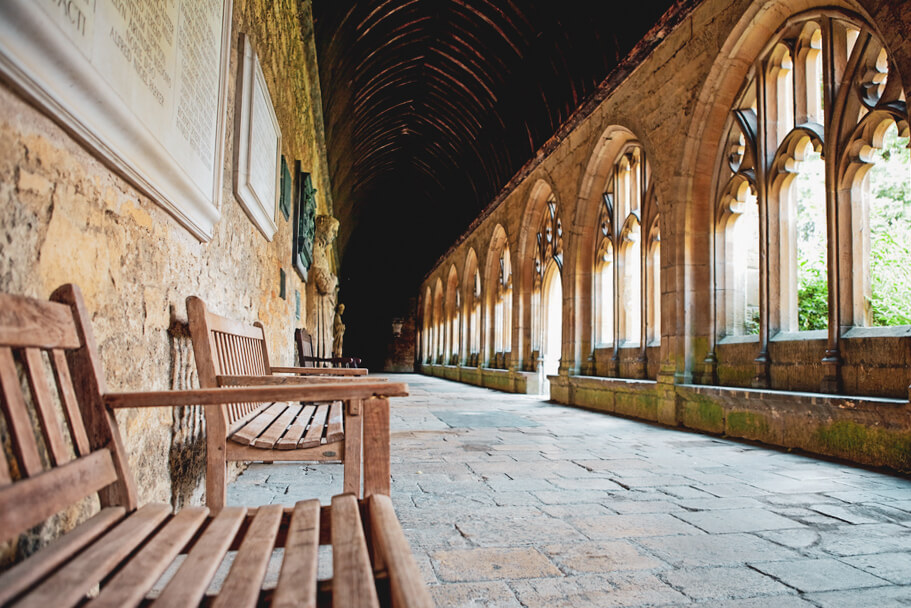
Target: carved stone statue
[[338, 330], [323, 293]]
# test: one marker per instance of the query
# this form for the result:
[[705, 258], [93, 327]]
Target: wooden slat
[[275, 431], [69, 585], [194, 575], [50, 426], [28, 502], [335, 430], [231, 326], [376, 447], [5, 477], [242, 586], [332, 452], [257, 394], [26, 573], [406, 583], [27, 322], [257, 425], [297, 578], [352, 574], [313, 436], [353, 446], [68, 399], [323, 371], [297, 429], [224, 380], [129, 586], [89, 386], [24, 445]]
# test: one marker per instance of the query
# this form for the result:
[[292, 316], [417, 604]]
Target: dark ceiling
[[430, 107]]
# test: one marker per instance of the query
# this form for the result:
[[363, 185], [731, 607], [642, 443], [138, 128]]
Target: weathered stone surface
[[807, 575], [645, 556], [492, 564]]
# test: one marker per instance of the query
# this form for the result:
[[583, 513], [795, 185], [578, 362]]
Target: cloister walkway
[[510, 501]]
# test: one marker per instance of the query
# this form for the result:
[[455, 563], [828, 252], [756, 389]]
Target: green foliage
[[812, 298], [812, 285], [890, 232]]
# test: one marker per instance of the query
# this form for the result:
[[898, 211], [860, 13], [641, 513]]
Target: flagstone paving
[[509, 501]]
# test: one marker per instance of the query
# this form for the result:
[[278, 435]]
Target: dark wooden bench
[[304, 342], [116, 558], [230, 353]]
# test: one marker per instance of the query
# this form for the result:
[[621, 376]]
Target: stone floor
[[511, 501]]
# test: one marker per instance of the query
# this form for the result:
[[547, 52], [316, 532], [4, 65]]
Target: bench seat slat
[[129, 586], [189, 584], [278, 427], [242, 586], [30, 501], [406, 583], [27, 573], [68, 586], [352, 575], [250, 431], [313, 436], [335, 430], [297, 577], [297, 429]]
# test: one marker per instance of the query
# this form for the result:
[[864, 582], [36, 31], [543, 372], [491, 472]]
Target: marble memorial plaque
[[142, 84], [257, 149]]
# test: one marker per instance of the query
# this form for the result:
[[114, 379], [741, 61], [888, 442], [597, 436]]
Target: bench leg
[[216, 471], [353, 439], [376, 447]]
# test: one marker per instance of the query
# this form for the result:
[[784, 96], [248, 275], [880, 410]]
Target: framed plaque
[[258, 143], [141, 84]]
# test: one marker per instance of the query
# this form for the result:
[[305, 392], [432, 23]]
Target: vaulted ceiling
[[431, 106]]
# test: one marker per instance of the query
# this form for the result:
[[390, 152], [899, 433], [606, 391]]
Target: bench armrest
[[286, 380], [348, 361], [258, 394], [322, 371]]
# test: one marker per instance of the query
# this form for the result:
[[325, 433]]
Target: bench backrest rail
[[64, 442]]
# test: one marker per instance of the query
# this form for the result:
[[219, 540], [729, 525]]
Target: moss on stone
[[748, 425], [866, 444], [702, 413]]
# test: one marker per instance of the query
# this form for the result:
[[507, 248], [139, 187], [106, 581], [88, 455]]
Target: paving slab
[[818, 575]]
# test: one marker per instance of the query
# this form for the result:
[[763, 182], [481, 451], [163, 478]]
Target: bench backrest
[[304, 342], [225, 347], [65, 442]]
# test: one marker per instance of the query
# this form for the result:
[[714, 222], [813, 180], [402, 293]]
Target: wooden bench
[[117, 557], [304, 342], [230, 353]]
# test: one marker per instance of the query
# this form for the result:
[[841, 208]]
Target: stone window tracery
[[805, 156], [627, 263], [502, 329], [548, 250]]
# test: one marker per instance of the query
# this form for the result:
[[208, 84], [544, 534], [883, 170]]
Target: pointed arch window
[[548, 250], [815, 173]]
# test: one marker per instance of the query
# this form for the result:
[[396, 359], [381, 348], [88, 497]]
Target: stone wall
[[69, 218], [673, 99]]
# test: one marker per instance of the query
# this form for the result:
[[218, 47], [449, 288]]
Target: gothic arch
[[694, 308], [536, 246], [438, 322], [471, 309], [497, 285], [452, 317]]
